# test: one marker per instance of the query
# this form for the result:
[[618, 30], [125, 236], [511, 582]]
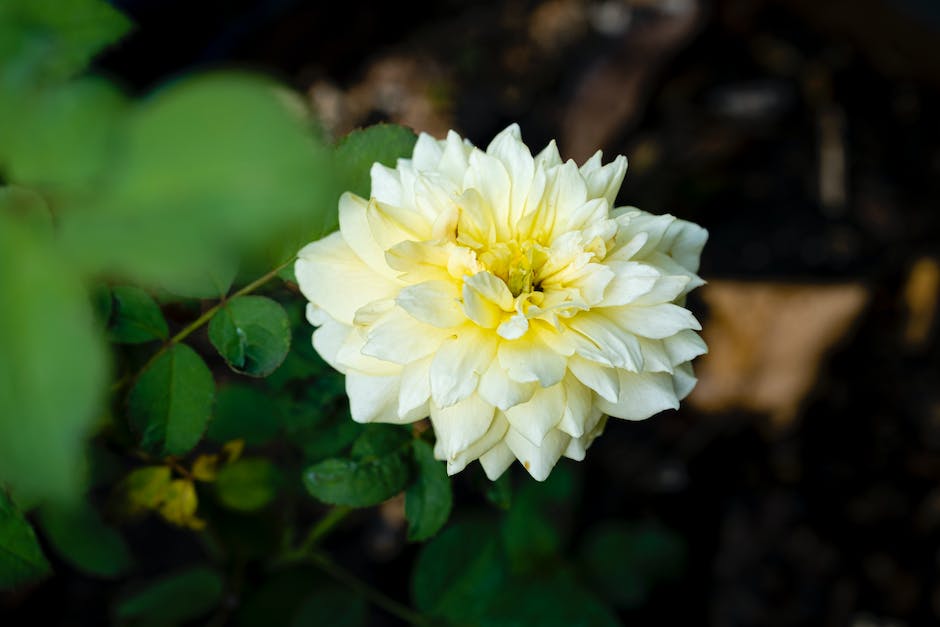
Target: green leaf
[[135, 317], [320, 432], [248, 484], [83, 540], [28, 207], [21, 558], [222, 154], [380, 469], [60, 138], [171, 600], [382, 143], [244, 412], [626, 560], [333, 606], [553, 599], [52, 368], [459, 569], [428, 500], [499, 492], [60, 36], [534, 527], [252, 333], [170, 404]]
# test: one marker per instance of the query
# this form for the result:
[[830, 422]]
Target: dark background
[[803, 475]]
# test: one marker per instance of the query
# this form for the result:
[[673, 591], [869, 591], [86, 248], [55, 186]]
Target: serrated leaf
[[173, 599], [83, 540], [379, 469], [245, 413], [170, 404], [21, 558], [52, 368], [457, 570], [382, 143], [135, 317], [252, 333], [248, 484], [428, 500]]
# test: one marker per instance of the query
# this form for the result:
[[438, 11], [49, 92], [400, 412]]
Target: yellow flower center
[[517, 264]]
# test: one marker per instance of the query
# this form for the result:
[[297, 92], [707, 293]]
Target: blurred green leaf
[[21, 558], [534, 527], [499, 492], [61, 137], [248, 484], [170, 404], [244, 412], [458, 571], [381, 143], [28, 207], [554, 599], [59, 36], [379, 469], [171, 600], [52, 368], [213, 282], [210, 168], [135, 317], [83, 540], [428, 500], [333, 606], [626, 560], [252, 333]]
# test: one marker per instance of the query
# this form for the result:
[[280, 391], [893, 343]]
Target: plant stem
[[345, 577], [206, 316], [323, 527]]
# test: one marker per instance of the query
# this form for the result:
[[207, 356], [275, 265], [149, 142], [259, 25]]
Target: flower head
[[502, 295]]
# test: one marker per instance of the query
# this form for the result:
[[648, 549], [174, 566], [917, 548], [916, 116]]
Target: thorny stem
[[201, 320]]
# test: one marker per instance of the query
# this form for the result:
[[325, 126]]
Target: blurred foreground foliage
[[142, 375]]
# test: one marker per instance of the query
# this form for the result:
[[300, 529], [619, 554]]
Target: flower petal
[[399, 338], [536, 417], [458, 365], [415, 390], [605, 381], [538, 460], [334, 278], [373, 399], [500, 390], [656, 322], [641, 396], [529, 359], [436, 303], [354, 225], [460, 425], [492, 438], [496, 460]]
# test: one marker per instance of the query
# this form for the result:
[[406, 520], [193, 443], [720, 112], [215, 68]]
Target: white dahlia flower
[[502, 295]]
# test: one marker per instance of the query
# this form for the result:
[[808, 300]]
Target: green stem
[[379, 599], [323, 527], [203, 319]]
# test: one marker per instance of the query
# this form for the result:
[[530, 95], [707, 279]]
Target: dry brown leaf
[[766, 343], [921, 292]]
